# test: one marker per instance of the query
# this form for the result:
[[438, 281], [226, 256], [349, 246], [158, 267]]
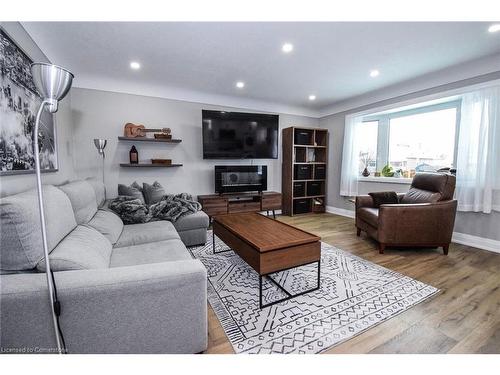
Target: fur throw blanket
[[171, 207]]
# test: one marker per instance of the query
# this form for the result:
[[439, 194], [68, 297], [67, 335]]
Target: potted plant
[[387, 171]]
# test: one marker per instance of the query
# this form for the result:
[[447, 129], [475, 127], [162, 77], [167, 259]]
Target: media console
[[217, 204]]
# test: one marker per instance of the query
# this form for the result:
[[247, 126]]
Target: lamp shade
[[100, 144], [52, 82]]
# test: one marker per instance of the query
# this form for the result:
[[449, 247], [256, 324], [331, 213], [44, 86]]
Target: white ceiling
[[202, 61]]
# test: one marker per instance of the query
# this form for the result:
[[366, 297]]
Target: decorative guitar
[[133, 131]]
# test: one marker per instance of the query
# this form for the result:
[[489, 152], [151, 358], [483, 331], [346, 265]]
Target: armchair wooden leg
[[381, 248], [358, 232], [445, 249]]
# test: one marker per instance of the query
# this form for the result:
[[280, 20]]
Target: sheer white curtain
[[350, 156], [478, 153]]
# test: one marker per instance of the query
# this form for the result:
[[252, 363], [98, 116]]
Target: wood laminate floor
[[463, 318]]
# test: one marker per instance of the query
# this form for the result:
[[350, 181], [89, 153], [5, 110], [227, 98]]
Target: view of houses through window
[[399, 144]]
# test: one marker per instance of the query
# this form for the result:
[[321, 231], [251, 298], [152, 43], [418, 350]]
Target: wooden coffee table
[[268, 246]]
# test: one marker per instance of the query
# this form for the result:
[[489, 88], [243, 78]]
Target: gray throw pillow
[[133, 190], [153, 193]]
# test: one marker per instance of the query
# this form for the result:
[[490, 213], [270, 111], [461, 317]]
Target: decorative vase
[[134, 155], [366, 172]]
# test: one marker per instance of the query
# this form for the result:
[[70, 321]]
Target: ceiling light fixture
[[240, 84], [287, 47], [374, 73], [494, 28], [135, 65], [312, 97]]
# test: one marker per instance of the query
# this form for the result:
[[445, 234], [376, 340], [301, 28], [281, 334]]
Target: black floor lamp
[[53, 83]]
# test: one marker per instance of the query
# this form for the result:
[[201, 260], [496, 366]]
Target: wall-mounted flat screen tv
[[236, 135]]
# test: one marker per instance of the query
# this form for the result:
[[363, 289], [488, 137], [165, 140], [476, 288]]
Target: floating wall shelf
[[144, 139], [149, 165]]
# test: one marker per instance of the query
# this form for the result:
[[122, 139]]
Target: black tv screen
[[236, 135]]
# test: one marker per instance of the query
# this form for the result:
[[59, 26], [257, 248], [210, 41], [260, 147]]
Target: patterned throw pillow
[[133, 190], [153, 193], [384, 197]]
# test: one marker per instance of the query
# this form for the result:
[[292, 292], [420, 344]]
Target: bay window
[[413, 140], [460, 132]]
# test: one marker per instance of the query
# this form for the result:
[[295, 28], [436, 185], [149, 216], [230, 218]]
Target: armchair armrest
[[150, 308], [363, 201], [422, 223]]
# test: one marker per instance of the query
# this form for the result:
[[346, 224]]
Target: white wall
[[63, 120], [102, 114]]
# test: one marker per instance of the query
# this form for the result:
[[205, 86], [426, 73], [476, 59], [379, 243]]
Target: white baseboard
[[475, 241], [339, 211], [461, 238]]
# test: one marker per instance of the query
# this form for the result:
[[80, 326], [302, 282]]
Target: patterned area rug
[[355, 295]]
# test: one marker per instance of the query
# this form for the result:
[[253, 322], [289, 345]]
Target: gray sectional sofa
[[123, 288]]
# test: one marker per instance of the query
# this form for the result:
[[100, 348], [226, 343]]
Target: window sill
[[389, 180]]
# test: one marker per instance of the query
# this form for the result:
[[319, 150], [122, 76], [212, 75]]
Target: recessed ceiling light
[[135, 65], [287, 47], [240, 84], [374, 73], [312, 97], [494, 28]]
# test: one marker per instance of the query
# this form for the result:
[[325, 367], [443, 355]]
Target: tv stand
[[217, 204]]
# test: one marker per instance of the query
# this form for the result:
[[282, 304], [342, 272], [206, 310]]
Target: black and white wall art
[[19, 103]]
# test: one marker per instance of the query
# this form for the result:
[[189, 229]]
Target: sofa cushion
[[99, 190], [20, 232], [416, 195], [153, 193], [83, 200], [155, 252], [137, 234], [134, 190], [384, 197], [194, 237], [83, 248], [369, 215], [195, 220], [108, 224]]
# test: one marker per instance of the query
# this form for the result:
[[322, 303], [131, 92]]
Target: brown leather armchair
[[424, 217]]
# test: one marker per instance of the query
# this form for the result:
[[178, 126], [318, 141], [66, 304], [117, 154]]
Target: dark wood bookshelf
[[145, 139], [309, 146], [310, 196], [305, 152]]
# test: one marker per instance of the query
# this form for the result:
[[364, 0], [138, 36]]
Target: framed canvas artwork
[[19, 103]]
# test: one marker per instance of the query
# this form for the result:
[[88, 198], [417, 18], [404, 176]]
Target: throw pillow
[[133, 190], [384, 197], [153, 193]]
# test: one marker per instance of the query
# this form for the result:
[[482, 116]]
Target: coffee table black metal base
[[213, 245], [288, 294]]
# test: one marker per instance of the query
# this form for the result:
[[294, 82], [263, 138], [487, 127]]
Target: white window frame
[[383, 135]]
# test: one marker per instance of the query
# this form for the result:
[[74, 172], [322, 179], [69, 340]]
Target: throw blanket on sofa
[[131, 210], [171, 207]]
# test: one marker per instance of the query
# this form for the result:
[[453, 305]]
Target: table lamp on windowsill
[[52, 83]]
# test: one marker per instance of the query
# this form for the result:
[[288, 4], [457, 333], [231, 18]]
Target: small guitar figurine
[[133, 131]]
